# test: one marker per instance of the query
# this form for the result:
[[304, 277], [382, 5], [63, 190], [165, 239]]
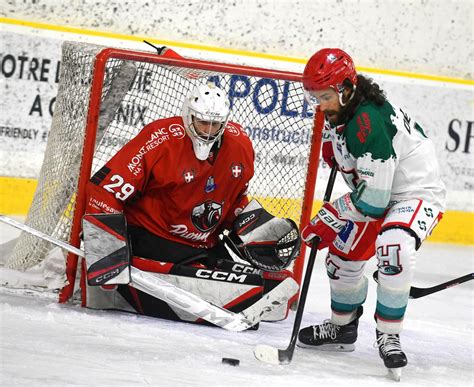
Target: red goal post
[[107, 95]]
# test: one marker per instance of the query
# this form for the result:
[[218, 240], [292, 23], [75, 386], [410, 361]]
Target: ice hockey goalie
[[180, 183]]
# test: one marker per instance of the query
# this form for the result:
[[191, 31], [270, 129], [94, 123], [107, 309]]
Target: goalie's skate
[[330, 337], [391, 353]]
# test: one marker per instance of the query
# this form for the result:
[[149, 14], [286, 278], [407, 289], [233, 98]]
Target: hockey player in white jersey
[[396, 199]]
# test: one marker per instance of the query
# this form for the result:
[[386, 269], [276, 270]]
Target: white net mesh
[[52, 208], [135, 93]]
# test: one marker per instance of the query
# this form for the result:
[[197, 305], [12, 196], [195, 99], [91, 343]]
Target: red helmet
[[329, 67]]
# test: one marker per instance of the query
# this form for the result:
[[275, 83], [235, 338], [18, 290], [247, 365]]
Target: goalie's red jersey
[[159, 184]]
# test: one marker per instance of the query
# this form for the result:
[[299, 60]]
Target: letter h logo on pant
[[389, 259]]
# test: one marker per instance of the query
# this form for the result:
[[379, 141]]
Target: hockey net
[[106, 96]]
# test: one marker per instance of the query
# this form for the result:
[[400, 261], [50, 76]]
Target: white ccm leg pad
[[156, 287], [187, 301], [106, 249], [396, 250]]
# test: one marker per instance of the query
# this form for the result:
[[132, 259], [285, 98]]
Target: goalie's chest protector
[[188, 200]]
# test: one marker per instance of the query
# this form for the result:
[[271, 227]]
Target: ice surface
[[43, 343]]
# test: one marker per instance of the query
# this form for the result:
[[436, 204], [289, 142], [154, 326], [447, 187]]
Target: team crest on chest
[[237, 169], [206, 216], [189, 175]]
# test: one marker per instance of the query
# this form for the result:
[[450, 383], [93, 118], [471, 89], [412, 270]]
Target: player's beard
[[337, 118], [333, 116]]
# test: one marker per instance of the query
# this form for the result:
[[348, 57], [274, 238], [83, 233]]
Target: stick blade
[[267, 354]]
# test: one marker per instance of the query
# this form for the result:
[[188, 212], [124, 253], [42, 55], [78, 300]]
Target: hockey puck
[[230, 361]]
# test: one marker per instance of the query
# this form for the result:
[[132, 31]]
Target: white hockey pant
[[348, 287], [396, 250], [396, 261]]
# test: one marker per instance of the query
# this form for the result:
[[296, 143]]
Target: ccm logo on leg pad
[[221, 275]]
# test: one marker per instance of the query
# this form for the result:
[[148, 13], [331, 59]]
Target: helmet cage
[[210, 104], [203, 137]]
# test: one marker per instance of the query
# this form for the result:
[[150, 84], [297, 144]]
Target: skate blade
[[395, 373], [328, 347]]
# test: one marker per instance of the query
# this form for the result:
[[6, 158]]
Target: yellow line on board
[[455, 227], [16, 195], [81, 31]]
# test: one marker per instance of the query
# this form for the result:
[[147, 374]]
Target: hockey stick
[[272, 355], [422, 292], [185, 300], [159, 50]]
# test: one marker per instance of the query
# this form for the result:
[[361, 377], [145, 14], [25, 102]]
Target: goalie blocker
[[232, 285]]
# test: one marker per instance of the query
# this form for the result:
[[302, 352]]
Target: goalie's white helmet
[[205, 114]]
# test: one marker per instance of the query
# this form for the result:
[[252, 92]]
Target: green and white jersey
[[384, 157]]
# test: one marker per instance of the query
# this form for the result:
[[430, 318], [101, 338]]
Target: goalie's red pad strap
[[277, 275], [150, 265]]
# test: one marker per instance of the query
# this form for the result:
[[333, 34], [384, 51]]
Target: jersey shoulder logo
[[177, 131], [363, 122], [233, 129]]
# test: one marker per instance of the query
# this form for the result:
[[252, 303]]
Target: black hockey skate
[[391, 353], [330, 337]]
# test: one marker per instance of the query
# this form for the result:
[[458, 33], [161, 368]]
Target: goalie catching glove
[[267, 242]]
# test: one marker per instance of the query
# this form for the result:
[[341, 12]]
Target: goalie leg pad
[[106, 249], [270, 281], [232, 290]]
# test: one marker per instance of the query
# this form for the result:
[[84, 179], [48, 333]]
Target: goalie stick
[[272, 355], [422, 292], [185, 300]]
